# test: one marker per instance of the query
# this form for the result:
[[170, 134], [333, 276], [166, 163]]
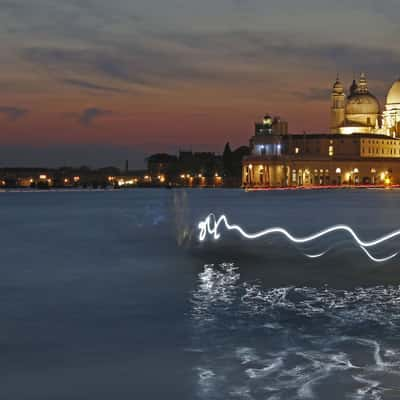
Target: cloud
[[88, 115], [13, 113], [92, 86], [314, 94], [165, 60], [130, 63]]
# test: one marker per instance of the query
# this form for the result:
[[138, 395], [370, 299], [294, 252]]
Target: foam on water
[[294, 342]]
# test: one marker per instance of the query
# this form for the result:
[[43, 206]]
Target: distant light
[[250, 166], [356, 171], [66, 180], [373, 170], [200, 175], [44, 177], [183, 176], [77, 179]]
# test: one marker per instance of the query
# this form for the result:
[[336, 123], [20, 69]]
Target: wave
[[293, 342]]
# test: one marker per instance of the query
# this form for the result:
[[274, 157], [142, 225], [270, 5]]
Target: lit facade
[[359, 110], [362, 148]]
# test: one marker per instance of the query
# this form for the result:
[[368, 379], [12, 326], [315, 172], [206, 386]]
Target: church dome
[[393, 96], [362, 103], [338, 87]]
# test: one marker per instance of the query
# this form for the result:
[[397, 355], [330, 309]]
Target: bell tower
[[337, 106]]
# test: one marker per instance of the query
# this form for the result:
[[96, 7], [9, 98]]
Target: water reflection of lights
[[211, 226], [291, 343]]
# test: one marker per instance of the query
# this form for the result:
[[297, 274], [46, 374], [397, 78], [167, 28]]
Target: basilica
[[360, 111], [362, 148]]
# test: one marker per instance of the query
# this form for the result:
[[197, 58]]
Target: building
[[363, 146]]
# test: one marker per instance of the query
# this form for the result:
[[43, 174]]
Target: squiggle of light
[[211, 226]]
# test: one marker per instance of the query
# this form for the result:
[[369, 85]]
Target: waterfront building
[[363, 146]]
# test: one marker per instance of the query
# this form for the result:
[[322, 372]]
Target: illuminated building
[[362, 148], [360, 111]]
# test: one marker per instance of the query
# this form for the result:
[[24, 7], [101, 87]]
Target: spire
[[363, 84], [353, 87]]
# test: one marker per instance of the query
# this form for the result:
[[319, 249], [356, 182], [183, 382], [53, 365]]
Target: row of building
[[363, 146]]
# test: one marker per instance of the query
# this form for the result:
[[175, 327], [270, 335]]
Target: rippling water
[[294, 342], [110, 295]]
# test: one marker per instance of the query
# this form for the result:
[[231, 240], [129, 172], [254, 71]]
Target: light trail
[[211, 226]]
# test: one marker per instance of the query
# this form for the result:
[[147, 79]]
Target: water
[[108, 294]]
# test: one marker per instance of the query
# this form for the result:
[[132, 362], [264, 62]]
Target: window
[[296, 150]]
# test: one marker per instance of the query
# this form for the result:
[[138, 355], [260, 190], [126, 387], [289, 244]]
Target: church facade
[[363, 146]]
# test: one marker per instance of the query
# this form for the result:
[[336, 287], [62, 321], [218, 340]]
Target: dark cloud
[[261, 47], [90, 114], [81, 20], [13, 113], [313, 94], [134, 64], [178, 58], [92, 86]]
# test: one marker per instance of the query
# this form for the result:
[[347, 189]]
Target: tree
[[227, 160]]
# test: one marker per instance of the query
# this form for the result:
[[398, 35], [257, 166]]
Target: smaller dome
[[338, 88], [393, 96]]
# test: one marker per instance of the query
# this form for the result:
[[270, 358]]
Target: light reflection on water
[[294, 342]]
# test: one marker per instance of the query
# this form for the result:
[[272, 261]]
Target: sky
[[95, 82]]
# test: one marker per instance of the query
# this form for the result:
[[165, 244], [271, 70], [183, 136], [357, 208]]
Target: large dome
[[362, 103], [393, 96]]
